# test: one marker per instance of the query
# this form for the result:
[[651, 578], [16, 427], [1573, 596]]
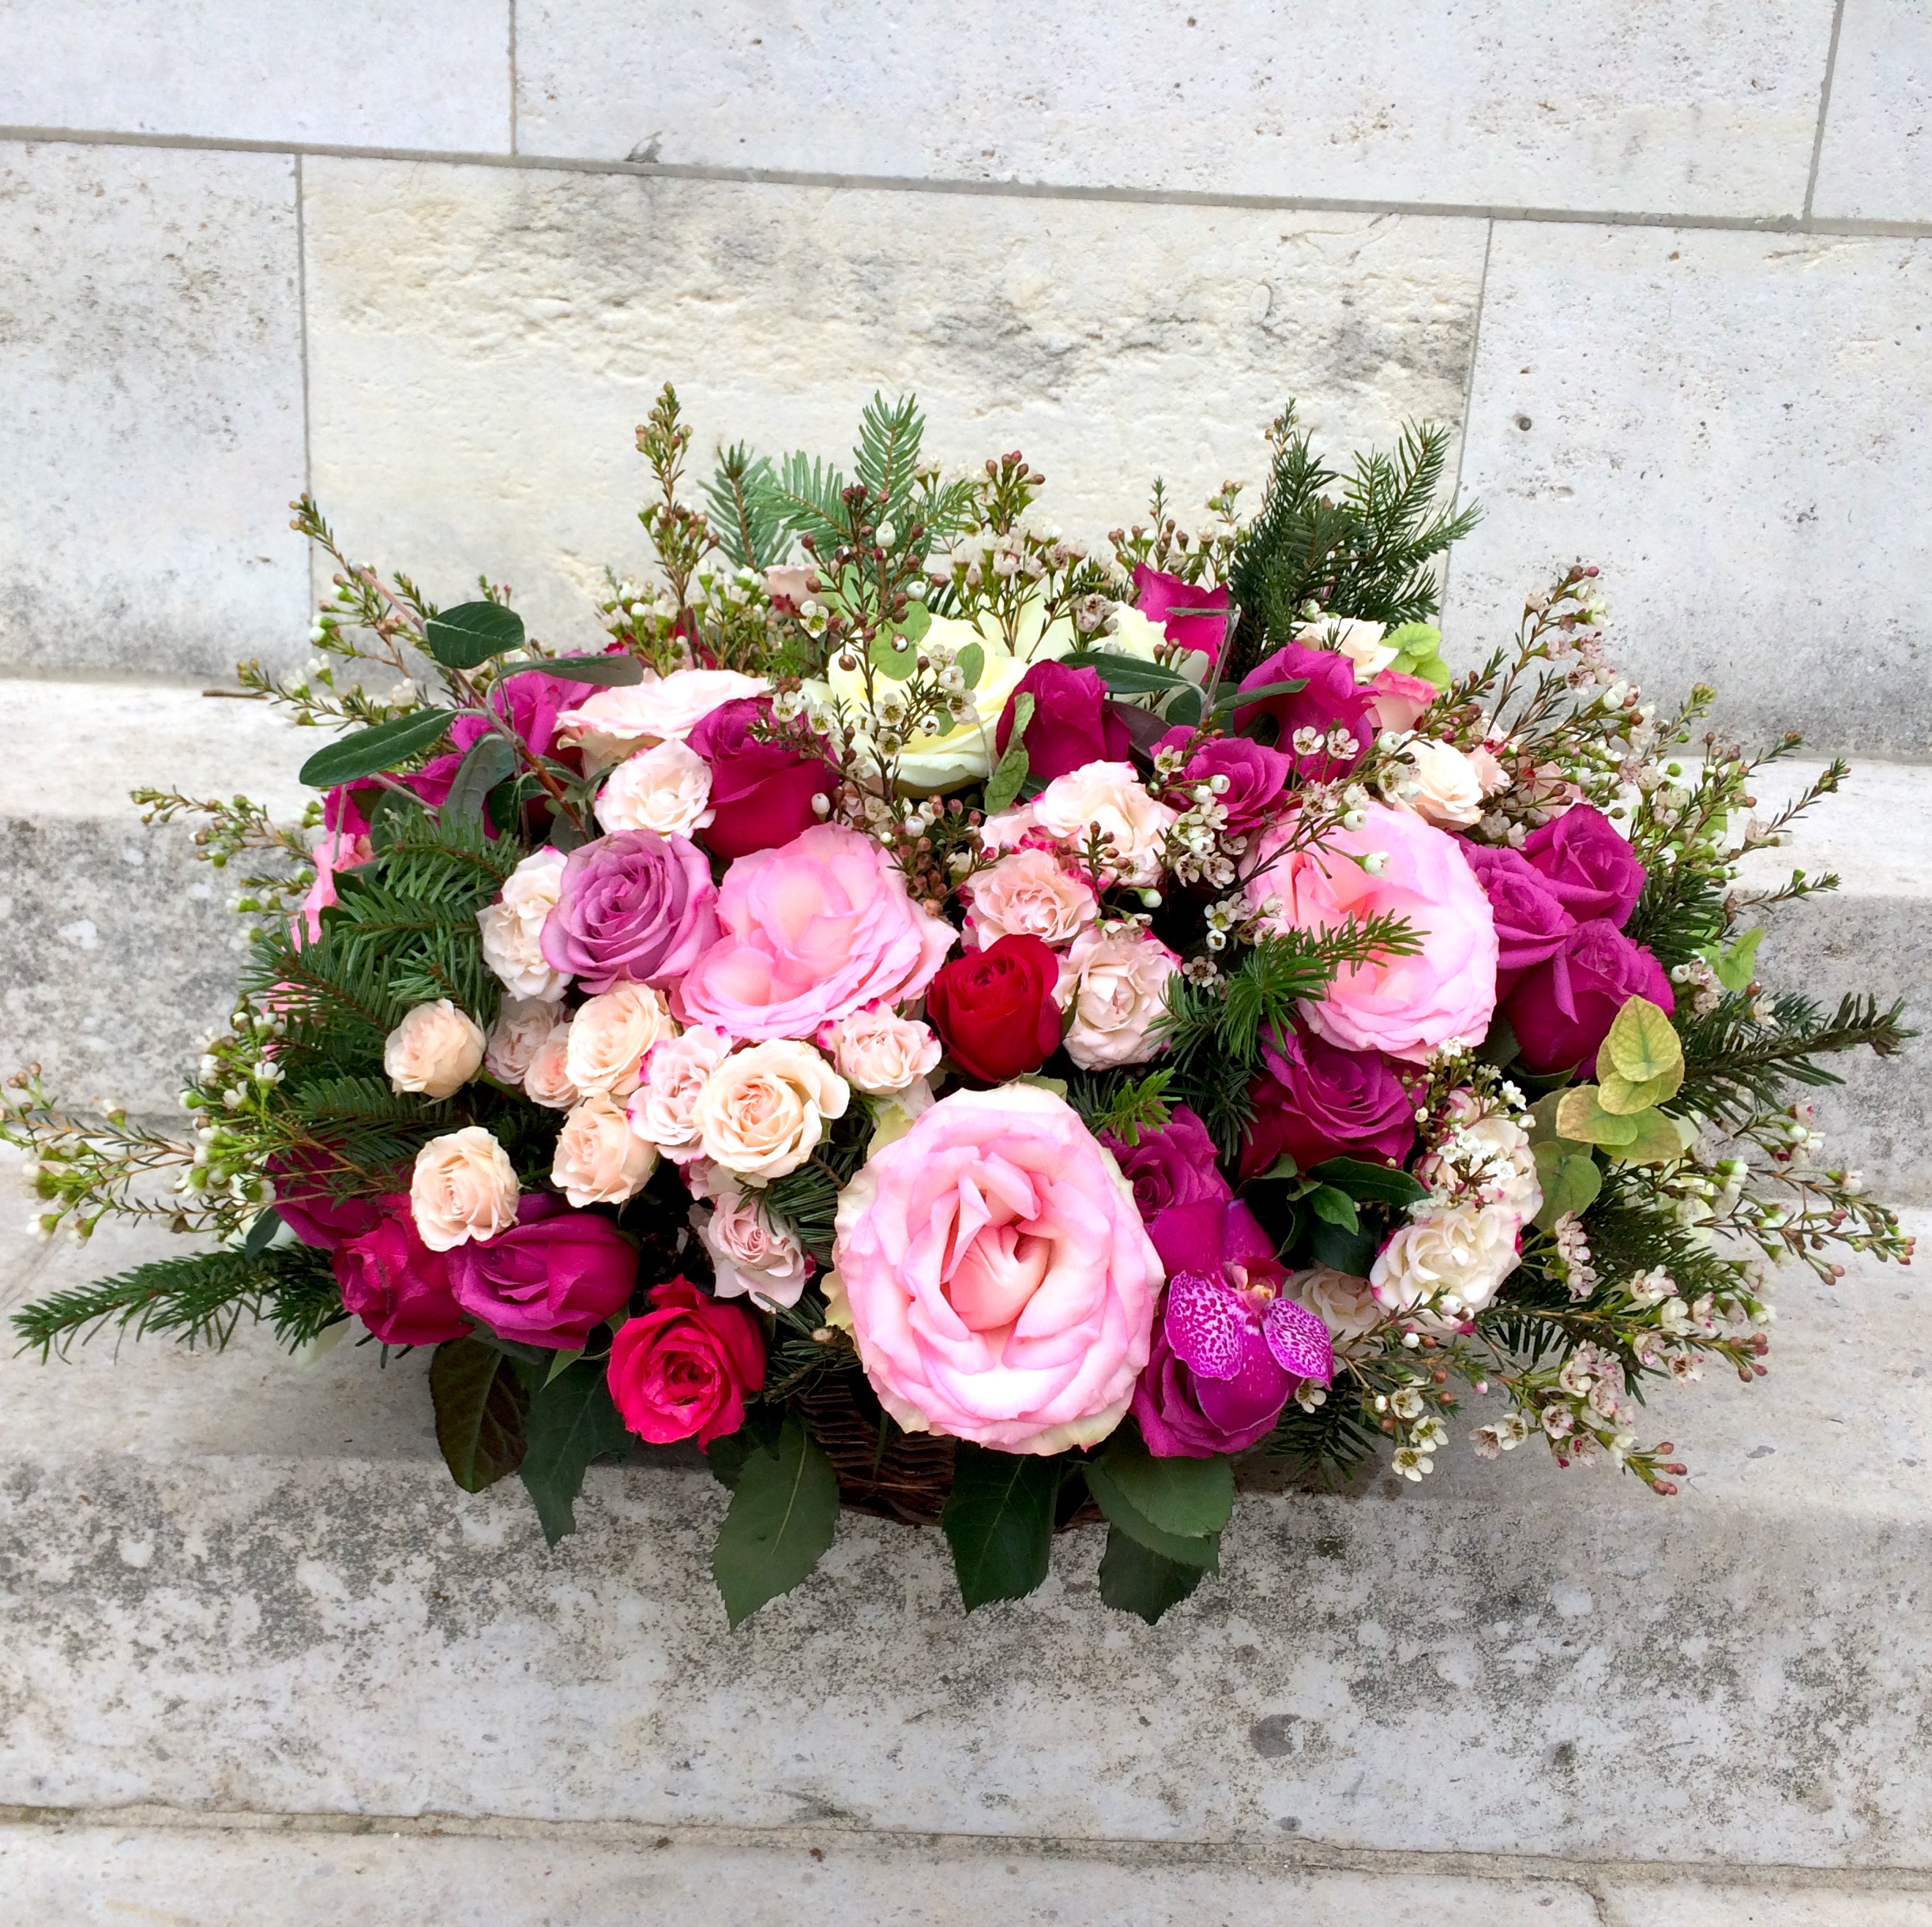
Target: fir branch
[[1116, 1104], [1736, 1061], [743, 518]]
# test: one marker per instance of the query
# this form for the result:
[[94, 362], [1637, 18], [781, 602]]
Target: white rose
[[1120, 988], [663, 1110], [761, 1112], [1451, 1262], [513, 927], [1437, 783], [608, 725], [1347, 634], [879, 1052], [547, 1080], [521, 1026], [599, 1159], [1109, 797], [750, 1252], [436, 1050], [463, 1187], [1345, 1304], [609, 1036], [1140, 637], [1030, 893], [929, 763], [667, 788]]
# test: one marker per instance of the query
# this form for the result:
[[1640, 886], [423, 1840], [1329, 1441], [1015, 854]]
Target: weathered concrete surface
[[1876, 163], [151, 408], [1709, 111], [434, 74], [1699, 414], [481, 343]]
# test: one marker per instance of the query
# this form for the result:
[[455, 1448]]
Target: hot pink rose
[[1158, 595], [1407, 1006], [761, 793], [1000, 1284], [550, 1278], [1325, 725], [392, 1281], [683, 1371], [813, 932]]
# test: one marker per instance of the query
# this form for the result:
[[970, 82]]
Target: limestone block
[[434, 74], [151, 408], [482, 343], [1876, 163], [1709, 111], [1788, 1902], [1724, 423]]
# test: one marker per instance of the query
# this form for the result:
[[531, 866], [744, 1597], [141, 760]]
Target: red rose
[[760, 792], [684, 1370], [994, 1009]]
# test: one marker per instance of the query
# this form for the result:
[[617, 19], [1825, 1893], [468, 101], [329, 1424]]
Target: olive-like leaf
[[472, 632], [381, 746]]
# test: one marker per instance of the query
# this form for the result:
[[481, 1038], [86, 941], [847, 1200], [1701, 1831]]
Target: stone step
[[238, 1587], [117, 955]]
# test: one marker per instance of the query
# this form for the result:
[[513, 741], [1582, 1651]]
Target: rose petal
[[1205, 1324], [1299, 1340]]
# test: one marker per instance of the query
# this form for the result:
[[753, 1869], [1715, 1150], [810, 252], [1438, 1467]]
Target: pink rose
[[1120, 975], [1408, 1005], [1158, 596], [549, 1278], [1398, 701], [392, 1281], [684, 1369], [999, 1282], [631, 908], [1326, 725], [762, 794], [813, 931], [1030, 893]]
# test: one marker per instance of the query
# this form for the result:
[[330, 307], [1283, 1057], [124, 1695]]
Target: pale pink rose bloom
[[334, 853], [1437, 783], [522, 1025], [999, 1282], [762, 1111], [751, 1252], [1030, 893], [464, 1186], [1399, 701], [813, 930], [513, 927], [1121, 978], [1109, 797], [1488, 773], [604, 1051], [788, 582], [878, 1052], [598, 1160], [608, 726], [435, 1051], [1408, 1005], [1360, 641], [663, 1109], [667, 788], [547, 1080]]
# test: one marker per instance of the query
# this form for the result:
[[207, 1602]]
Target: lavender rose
[[1562, 1010], [547, 1279], [1255, 776], [1531, 924], [1589, 866], [1318, 1101], [1330, 699], [637, 908], [1073, 722]]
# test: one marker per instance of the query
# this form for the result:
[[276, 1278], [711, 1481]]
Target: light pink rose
[[1399, 701], [464, 1186], [608, 726], [663, 1109], [598, 1160], [667, 788], [547, 1080], [522, 1028], [877, 1053], [751, 1252], [1029, 893], [1111, 798], [813, 930], [435, 1050], [999, 1283], [1120, 987], [607, 1039], [1407, 1006]]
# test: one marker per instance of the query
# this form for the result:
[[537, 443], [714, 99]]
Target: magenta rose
[[1588, 864], [530, 701], [549, 1279], [633, 908], [685, 1369], [761, 793], [1158, 596], [1221, 1365], [1531, 924], [392, 1281], [1073, 722], [1317, 1100], [1178, 1188], [1562, 1010], [320, 1217], [1329, 699], [1255, 776]]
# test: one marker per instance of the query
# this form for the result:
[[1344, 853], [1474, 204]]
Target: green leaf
[[784, 1509], [1194, 1550], [490, 759], [472, 632], [1003, 786], [1350, 1252], [971, 663], [1188, 1497], [381, 746], [913, 624], [1232, 699], [571, 1422], [480, 1405], [1569, 1182], [1736, 966], [1643, 1044], [1128, 673], [261, 1233], [999, 1520], [1584, 1121], [759, 1432], [1333, 1206], [1378, 1183], [1135, 1579], [610, 672], [1657, 1141], [889, 661], [1621, 1098]]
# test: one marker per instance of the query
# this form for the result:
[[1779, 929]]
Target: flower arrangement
[[988, 1029]]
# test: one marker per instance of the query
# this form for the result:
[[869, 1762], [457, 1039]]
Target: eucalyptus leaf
[[784, 1510], [490, 759], [1622, 1098], [1569, 1181], [913, 624], [971, 663], [1584, 1121], [1643, 1044], [1004, 785], [1736, 966], [472, 632], [892, 656], [381, 746], [1657, 1140]]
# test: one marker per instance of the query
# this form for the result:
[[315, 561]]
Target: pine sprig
[[1117, 1104], [1736, 1063], [744, 519]]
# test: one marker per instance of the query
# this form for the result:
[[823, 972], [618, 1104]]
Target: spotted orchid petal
[[1206, 1324], [1299, 1340]]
